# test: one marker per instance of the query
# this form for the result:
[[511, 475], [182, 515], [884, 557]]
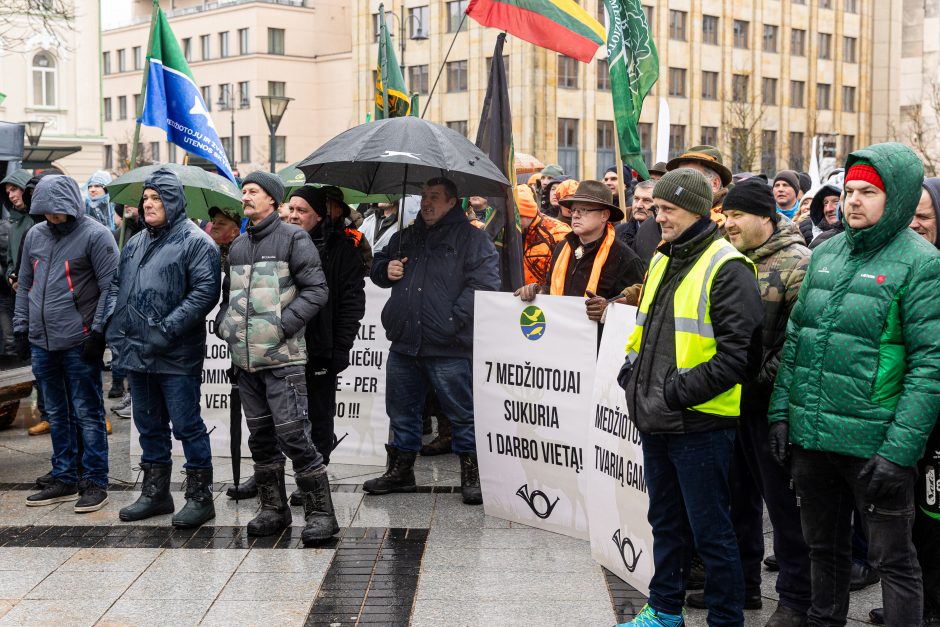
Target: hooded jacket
[[538, 247], [546, 205], [166, 284], [100, 208], [66, 270], [20, 220], [816, 226], [860, 371], [430, 310], [932, 185]]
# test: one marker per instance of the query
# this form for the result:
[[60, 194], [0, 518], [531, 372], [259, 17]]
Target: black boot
[[199, 507], [470, 479], [275, 514], [442, 443], [247, 489], [399, 475], [314, 488], [154, 497]]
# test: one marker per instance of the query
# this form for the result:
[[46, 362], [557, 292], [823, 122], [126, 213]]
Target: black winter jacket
[[648, 237], [430, 311], [658, 397]]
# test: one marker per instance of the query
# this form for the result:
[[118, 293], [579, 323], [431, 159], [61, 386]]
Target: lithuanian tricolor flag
[[559, 25]]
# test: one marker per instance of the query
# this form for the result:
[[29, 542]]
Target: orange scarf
[[564, 257]]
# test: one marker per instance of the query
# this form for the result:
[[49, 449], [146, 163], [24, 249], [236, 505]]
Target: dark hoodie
[[20, 221], [167, 282], [66, 270], [820, 229], [547, 207], [932, 185]]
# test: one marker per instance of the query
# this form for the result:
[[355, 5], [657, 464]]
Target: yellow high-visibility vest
[[695, 338]]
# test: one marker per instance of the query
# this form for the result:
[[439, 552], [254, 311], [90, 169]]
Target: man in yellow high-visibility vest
[[697, 339]]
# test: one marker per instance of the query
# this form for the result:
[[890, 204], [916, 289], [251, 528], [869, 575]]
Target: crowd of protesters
[[786, 354]]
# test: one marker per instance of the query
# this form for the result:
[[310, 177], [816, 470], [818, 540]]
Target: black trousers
[[321, 408]]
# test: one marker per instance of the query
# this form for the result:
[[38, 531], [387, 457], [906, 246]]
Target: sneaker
[[117, 389], [126, 411], [124, 402], [57, 492], [648, 617], [92, 499]]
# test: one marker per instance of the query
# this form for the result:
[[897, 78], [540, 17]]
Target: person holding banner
[[433, 268], [696, 340], [541, 235]]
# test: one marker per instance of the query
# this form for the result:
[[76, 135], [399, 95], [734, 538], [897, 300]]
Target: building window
[[605, 147], [225, 96], [489, 65], [801, 2], [797, 93], [227, 147], [418, 22], [377, 25], [798, 42], [280, 149], [244, 149], [122, 60], [824, 46], [188, 48], [770, 38], [155, 151], [848, 145], [823, 96], [122, 154], [603, 75], [568, 146], [205, 47], [710, 135], [171, 152], [418, 78], [275, 41], [243, 41], [107, 109], [851, 6], [709, 85], [459, 126], [109, 157], [710, 29], [136, 105], [277, 88], [455, 14], [740, 150], [677, 81], [741, 30], [138, 58], [677, 20], [768, 152], [456, 76], [796, 152], [848, 99], [122, 107], [223, 44], [243, 95], [207, 96], [106, 62], [649, 16], [567, 72], [825, 4], [848, 49], [676, 140], [769, 91], [645, 131], [739, 87]]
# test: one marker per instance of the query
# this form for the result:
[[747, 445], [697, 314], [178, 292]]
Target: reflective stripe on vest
[[695, 337]]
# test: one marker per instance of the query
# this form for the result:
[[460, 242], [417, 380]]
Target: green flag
[[634, 68], [389, 83], [3, 97]]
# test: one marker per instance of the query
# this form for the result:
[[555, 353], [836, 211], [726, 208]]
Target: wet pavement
[[421, 559]]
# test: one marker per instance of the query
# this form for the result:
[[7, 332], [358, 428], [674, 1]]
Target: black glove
[[780, 441], [93, 349], [21, 342], [340, 362], [885, 478]]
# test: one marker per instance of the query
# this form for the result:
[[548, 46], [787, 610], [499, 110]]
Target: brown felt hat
[[597, 193], [708, 156]]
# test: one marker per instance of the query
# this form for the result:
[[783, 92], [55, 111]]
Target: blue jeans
[[406, 389], [71, 390], [689, 510], [162, 400]]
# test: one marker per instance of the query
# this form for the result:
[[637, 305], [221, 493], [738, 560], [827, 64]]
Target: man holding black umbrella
[[433, 269]]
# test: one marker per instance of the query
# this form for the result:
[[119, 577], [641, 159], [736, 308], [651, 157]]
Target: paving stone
[[271, 586], [56, 613], [133, 560], [227, 613], [74, 585], [16, 584], [149, 612]]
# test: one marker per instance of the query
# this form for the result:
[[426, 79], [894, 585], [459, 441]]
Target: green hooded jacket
[[860, 371], [20, 221]]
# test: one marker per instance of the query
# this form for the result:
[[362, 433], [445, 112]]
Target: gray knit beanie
[[270, 183], [686, 188]]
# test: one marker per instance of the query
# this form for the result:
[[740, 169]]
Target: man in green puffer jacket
[[858, 387]]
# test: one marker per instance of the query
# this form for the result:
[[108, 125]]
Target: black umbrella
[[398, 155]]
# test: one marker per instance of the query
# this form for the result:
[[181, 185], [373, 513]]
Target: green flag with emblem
[[389, 82]]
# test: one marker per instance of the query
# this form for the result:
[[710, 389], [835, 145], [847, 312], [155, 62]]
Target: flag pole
[[383, 63], [140, 107], [621, 196], [443, 63]]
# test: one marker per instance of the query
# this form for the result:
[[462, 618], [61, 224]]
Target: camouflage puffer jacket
[[274, 286], [781, 264]]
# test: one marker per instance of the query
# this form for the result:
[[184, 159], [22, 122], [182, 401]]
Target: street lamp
[[34, 131], [274, 107], [420, 35]]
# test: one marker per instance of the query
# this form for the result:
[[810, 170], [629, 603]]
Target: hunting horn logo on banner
[[544, 508], [622, 547]]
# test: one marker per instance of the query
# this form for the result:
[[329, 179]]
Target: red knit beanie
[[863, 170]]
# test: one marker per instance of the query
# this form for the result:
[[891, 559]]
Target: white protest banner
[[533, 372], [361, 421], [621, 537]]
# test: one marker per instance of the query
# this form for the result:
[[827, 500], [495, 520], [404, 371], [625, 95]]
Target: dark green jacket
[[860, 371]]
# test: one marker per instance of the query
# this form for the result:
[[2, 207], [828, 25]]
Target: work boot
[[470, 479], [107, 426], [247, 489], [314, 488], [154, 498], [442, 443], [275, 514], [399, 474], [199, 507], [862, 576], [696, 580], [40, 428], [117, 388], [786, 617], [770, 562], [877, 616]]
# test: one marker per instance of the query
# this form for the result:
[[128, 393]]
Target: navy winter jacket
[[430, 312], [66, 270], [167, 282]]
